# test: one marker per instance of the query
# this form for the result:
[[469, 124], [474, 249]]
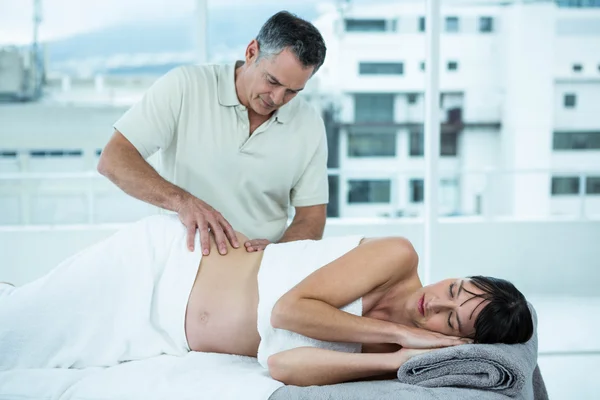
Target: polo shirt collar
[[226, 85]]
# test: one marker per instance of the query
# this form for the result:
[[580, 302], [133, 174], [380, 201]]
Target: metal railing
[[490, 194]]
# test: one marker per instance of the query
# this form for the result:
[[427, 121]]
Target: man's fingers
[[191, 234], [256, 244], [204, 239], [231, 236], [220, 237]]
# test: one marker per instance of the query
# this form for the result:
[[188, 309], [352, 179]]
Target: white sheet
[[122, 299], [283, 266], [194, 376]]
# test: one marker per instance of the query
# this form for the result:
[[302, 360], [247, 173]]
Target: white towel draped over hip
[[122, 299], [283, 267]]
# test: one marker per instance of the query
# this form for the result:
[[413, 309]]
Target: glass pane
[[369, 191], [381, 68], [565, 185], [365, 25], [374, 107], [371, 145], [451, 24]]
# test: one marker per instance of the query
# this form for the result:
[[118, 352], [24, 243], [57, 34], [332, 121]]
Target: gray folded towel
[[502, 368]]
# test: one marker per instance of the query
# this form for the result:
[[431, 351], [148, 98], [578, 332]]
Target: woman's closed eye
[[451, 313]]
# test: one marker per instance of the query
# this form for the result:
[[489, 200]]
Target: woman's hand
[[403, 355], [417, 338]]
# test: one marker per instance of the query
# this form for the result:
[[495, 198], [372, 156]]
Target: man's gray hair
[[286, 30]]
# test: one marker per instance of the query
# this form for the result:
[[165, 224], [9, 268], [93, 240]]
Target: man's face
[[273, 81], [449, 307]]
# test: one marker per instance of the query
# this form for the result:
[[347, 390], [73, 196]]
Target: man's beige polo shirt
[[192, 115]]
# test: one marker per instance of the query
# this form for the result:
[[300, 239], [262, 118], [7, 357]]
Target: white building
[[520, 95]]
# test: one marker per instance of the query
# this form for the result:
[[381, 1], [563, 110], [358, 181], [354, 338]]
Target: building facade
[[520, 96]]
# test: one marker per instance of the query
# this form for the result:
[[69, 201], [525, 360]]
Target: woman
[[313, 312]]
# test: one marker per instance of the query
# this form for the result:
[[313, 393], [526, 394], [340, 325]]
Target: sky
[[63, 18]]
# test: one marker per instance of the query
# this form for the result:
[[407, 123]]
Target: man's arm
[[123, 165], [308, 223]]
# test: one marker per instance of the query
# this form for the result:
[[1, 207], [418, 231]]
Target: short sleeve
[[312, 188], [151, 123]]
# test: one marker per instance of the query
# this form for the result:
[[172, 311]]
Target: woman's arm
[[311, 308], [306, 366]]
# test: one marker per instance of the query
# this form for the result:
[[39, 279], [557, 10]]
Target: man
[[237, 147], [304, 308]]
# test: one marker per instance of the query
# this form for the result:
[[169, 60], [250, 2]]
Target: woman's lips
[[420, 305]]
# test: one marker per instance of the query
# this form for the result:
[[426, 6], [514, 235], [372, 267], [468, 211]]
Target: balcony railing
[[491, 194]]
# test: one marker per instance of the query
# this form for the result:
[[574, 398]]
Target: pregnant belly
[[222, 309]]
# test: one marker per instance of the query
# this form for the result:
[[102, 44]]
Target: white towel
[[283, 267], [122, 299]]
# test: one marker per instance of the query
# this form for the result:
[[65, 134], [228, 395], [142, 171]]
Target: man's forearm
[[305, 228], [306, 366], [136, 177]]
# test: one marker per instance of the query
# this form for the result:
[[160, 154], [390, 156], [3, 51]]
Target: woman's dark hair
[[506, 318], [286, 30]]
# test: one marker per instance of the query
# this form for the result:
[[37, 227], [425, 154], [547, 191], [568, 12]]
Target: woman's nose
[[441, 305]]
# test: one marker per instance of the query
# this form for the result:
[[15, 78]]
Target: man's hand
[[256, 245], [196, 214], [417, 338]]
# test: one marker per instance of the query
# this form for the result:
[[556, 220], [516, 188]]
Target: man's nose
[[277, 96]]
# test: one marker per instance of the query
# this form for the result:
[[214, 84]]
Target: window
[[578, 3], [486, 24], [592, 185], [577, 68], [416, 190], [374, 107], [365, 25], [576, 140], [369, 191], [333, 207], [452, 24], [421, 24], [416, 143], [371, 144], [565, 185], [55, 153], [382, 68], [448, 144], [8, 154], [452, 65], [411, 98], [570, 100], [422, 65]]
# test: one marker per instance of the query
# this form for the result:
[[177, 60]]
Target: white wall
[[585, 115]]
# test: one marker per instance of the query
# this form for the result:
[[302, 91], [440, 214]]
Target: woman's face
[[449, 307]]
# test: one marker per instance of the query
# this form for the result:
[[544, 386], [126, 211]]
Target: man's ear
[[252, 52]]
